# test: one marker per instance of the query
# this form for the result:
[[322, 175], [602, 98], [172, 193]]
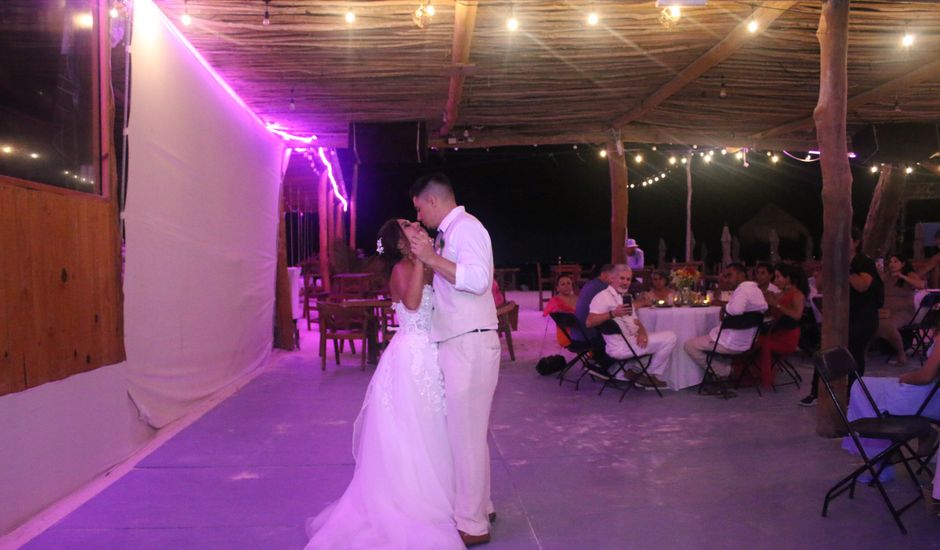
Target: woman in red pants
[[786, 308]]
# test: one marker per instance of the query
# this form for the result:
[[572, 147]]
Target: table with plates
[[687, 323]]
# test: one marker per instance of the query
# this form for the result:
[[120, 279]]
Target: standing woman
[[900, 283], [866, 296], [786, 308]]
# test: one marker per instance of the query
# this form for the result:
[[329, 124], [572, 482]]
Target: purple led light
[[851, 155], [271, 127], [329, 172]]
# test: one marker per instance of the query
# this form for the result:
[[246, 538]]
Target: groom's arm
[[472, 272]]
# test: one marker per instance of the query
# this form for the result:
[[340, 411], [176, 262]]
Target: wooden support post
[[353, 196], [830, 117], [883, 212], [688, 209], [339, 231], [619, 200], [465, 16], [284, 326], [322, 214]]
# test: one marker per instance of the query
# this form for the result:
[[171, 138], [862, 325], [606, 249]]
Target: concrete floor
[[570, 469]]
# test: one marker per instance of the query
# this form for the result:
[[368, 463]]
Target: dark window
[[49, 110]]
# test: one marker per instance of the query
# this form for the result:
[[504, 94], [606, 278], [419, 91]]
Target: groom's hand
[[422, 246]]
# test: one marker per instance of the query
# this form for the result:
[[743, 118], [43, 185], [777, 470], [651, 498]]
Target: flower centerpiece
[[683, 279]]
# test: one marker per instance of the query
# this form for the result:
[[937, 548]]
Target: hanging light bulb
[[739, 155], [907, 40], [429, 9], [724, 151], [186, 19], [663, 175], [602, 153], [675, 12], [753, 26], [774, 159], [293, 105], [266, 20], [638, 158], [707, 159], [909, 170], [874, 169], [512, 23], [113, 12], [672, 160], [593, 18], [350, 16], [684, 160]]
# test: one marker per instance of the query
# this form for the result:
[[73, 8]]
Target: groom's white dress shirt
[[458, 308]]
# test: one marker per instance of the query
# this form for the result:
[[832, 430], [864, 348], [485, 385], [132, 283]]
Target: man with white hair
[[609, 305]]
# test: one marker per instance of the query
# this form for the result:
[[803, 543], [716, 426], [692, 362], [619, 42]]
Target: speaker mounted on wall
[[896, 143], [389, 142]]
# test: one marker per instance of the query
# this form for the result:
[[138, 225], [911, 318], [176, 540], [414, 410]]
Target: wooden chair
[[351, 285], [340, 324], [504, 315], [542, 282], [310, 295]]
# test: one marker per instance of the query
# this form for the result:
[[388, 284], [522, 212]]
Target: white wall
[[58, 436], [201, 226]]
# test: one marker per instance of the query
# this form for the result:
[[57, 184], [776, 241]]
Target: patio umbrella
[[662, 253], [774, 245], [725, 246]]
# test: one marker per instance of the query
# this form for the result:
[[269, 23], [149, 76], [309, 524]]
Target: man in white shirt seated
[[608, 305], [747, 296], [764, 276]]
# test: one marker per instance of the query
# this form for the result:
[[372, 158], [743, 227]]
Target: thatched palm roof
[[558, 80]]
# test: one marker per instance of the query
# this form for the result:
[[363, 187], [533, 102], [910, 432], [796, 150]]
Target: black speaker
[[389, 142], [894, 143]]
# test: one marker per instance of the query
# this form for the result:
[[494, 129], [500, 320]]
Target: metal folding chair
[[582, 348], [640, 360], [750, 320], [837, 363], [922, 323]]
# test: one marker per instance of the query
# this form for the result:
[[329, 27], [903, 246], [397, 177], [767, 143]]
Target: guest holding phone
[[616, 304]]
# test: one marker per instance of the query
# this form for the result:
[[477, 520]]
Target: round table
[[687, 323]]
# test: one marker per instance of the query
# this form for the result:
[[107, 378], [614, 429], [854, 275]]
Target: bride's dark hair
[[390, 235]]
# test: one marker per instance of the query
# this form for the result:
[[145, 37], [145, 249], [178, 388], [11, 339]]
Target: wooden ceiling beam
[[766, 14], [640, 133], [465, 17], [923, 73]]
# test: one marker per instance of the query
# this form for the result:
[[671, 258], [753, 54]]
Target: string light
[[429, 9], [593, 18], [707, 159], [724, 151], [34, 155], [874, 169], [113, 12], [6, 149], [293, 105], [907, 40], [908, 170], [672, 160], [602, 153], [638, 158], [753, 26], [512, 23], [186, 19], [723, 91], [774, 159], [266, 20], [684, 160], [350, 16]]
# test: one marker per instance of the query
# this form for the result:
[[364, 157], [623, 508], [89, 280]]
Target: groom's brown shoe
[[474, 540]]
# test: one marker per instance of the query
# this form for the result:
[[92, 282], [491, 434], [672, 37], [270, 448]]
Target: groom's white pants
[[470, 363]]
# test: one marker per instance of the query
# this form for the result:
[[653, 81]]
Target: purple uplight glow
[[329, 172], [851, 154], [279, 130]]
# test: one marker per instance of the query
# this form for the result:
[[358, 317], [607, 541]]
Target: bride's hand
[[422, 246]]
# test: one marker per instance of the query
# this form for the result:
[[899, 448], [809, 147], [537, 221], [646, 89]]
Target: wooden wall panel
[[60, 285]]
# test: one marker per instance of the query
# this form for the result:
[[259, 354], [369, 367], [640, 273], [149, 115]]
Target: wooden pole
[[284, 323], [688, 209], [830, 115], [352, 206], [617, 165], [883, 212], [465, 16], [324, 232], [339, 231]]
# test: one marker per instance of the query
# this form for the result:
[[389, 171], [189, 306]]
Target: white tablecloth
[[293, 276], [687, 323]]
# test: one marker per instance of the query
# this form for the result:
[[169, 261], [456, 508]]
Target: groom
[[463, 323]]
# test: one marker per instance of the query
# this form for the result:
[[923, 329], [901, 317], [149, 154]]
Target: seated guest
[[564, 300], [786, 309], [900, 284], [588, 292], [897, 396], [608, 305], [746, 297], [659, 291], [763, 276]]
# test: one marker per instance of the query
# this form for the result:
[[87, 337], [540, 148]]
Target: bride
[[402, 491]]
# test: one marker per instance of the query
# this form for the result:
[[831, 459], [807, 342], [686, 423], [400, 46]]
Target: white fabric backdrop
[[201, 226]]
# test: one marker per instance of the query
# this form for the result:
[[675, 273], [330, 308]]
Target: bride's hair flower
[[378, 246]]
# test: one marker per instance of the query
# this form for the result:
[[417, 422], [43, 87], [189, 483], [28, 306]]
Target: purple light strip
[[329, 172], [851, 155], [272, 127]]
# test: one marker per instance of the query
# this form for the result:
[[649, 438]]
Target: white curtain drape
[[201, 226]]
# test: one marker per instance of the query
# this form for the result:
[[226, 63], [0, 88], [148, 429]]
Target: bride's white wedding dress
[[402, 492]]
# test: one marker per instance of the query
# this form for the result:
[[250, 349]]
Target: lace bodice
[[418, 321]]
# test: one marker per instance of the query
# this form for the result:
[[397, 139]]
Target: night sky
[[542, 203]]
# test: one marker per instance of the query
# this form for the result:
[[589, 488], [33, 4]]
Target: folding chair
[[641, 360], [837, 363], [782, 364], [922, 323], [750, 320], [580, 345]]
